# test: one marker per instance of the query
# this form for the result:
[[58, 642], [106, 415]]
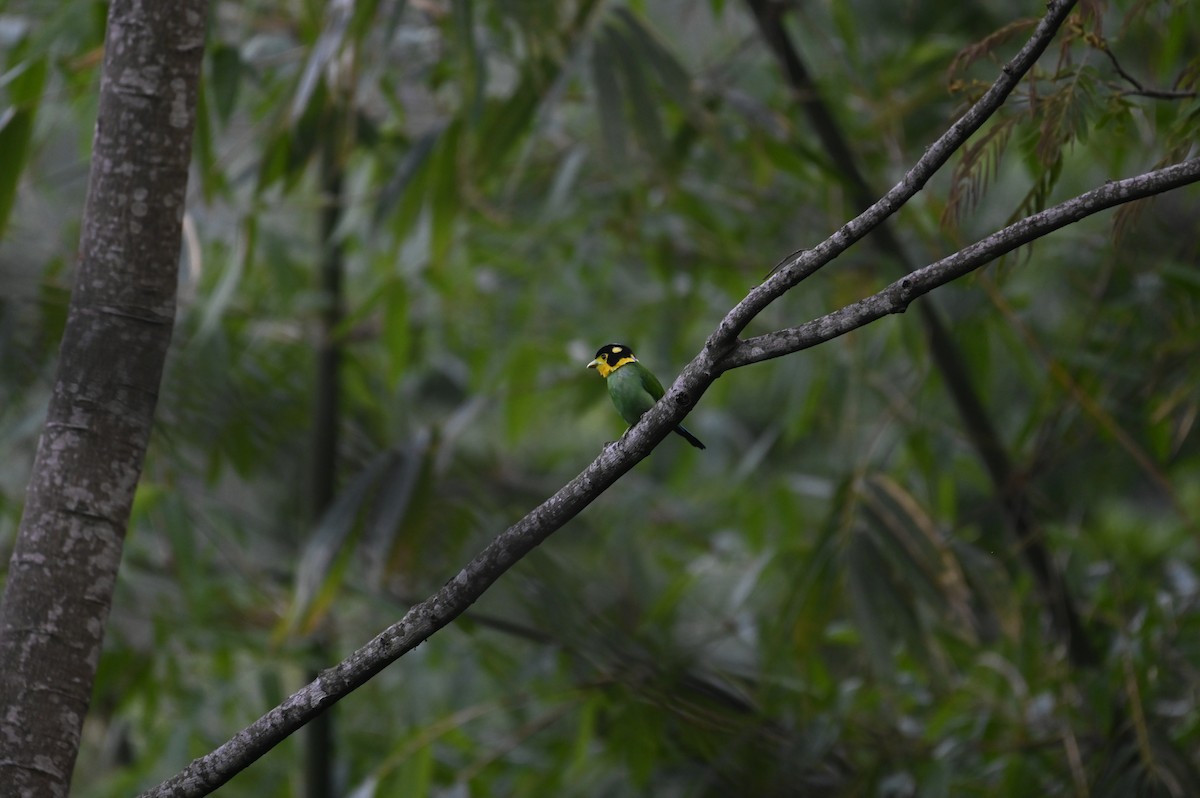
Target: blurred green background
[[824, 602]]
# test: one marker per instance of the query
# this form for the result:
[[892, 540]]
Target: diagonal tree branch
[[424, 619], [896, 297], [956, 376], [721, 353], [807, 262]]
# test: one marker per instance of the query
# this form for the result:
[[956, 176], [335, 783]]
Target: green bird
[[633, 389]]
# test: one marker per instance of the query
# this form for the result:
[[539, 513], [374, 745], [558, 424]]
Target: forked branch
[[722, 353], [899, 295]]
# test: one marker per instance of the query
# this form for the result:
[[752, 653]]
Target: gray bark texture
[[89, 458]]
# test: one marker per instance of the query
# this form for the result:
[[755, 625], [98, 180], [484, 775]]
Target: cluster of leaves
[[823, 601], [1085, 91]]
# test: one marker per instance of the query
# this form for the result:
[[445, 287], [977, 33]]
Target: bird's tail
[[689, 437]]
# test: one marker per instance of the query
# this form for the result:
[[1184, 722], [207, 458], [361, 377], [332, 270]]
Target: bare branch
[[721, 352], [1138, 89], [899, 295], [936, 155], [945, 354], [212, 770]]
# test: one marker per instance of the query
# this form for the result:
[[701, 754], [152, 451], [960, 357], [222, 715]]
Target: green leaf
[[646, 120], [323, 52], [608, 99], [504, 123], [405, 192], [16, 129], [443, 192], [288, 152], [414, 775], [226, 78], [24, 84], [397, 329], [666, 66], [474, 68], [212, 176], [364, 20], [325, 555]]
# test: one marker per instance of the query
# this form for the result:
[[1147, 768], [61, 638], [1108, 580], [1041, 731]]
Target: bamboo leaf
[[24, 84], [669, 71], [503, 124], [404, 193], [16, 130], [338, 14], [647, 122], [444, 192], [225, 79], [325, 555], [203, 148], [609, 107]]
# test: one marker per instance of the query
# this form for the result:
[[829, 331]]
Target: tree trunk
[[93, 443]]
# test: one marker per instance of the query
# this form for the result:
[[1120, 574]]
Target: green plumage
[[633, 389]]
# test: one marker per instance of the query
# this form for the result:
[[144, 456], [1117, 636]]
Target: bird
[[633, 389]]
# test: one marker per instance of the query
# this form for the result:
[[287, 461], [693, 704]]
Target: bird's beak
[[593, 364]]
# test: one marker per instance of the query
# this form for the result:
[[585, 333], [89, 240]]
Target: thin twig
[[899, 295], [1138, 88], [208, 772], [936, 155], [977, 423]]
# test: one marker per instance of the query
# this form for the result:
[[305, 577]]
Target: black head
[[611, 357], [611, 353]]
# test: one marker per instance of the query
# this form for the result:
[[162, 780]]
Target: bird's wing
[[651, 383]]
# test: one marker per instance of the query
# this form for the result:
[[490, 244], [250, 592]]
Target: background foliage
[[825, 599]]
